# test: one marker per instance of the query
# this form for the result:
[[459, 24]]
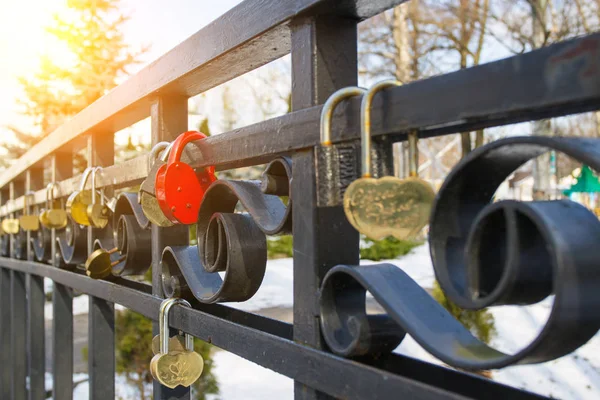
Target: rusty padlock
[[180, 189]]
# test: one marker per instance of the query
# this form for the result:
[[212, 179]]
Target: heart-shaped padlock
[[180, 189], [79, 200], [173, 367], [28, 222], [387, 206]]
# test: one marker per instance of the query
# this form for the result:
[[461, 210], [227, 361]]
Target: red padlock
[[179, 189]]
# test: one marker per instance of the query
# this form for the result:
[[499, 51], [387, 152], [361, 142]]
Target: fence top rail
[[244, 38], [476, 109]]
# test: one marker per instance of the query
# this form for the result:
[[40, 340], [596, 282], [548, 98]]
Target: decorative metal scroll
[[20, 245], [484, 254], [132, 236], [72, 244], [4, 245], [231, 242], [41, 242]]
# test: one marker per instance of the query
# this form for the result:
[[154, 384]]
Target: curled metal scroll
[[41, 242], [132, 236], [231, 242], [72, 244], [4, 245], [484, 254], [19, 243]]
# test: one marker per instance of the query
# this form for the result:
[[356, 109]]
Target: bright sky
[[160, 23]]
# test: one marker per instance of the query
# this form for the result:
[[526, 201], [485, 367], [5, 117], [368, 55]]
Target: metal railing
[[321, 36]]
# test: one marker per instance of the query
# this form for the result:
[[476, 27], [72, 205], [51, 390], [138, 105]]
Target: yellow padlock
[[28, 222], [79, 200], [53, 217]]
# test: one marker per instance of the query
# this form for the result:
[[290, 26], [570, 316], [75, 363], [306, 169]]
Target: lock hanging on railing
[[98, 213], [79, 200], [147, 193], [171, 366], [10, 225], [53, 217], [387, 206], [28, 222], [180, 189], [336, 164]]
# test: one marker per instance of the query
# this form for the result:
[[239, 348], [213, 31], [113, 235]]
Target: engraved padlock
[[180, 189], [337, 164], [387, 206], [79, 200], [53, 217], [98, 213], [147, 193], [28, 222], [175, 368]]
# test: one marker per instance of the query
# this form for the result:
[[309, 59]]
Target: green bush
[[479, 322], [386, 249], [280, 247]]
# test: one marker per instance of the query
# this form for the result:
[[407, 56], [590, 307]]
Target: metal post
[[62, 304], [101, 316], [18, 317], [324, 59], [169, 118], [36, 300]]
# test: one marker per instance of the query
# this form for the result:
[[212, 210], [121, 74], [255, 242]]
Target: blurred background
[[59, 56]]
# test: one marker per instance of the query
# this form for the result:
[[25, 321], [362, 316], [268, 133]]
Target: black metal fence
[[321, 36]]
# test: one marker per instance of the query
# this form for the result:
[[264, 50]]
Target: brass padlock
[[99, 265], [387, 206], [173, 368], [79, 200], [97, 213], [10, 225], [53, 217], [147, 193], [28, 222]]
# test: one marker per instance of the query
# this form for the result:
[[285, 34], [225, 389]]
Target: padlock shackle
[[50, 193], [163, 324], [84, 178], [26, 197], [94, 171], [329, 108], [365, 123], [156, 149], [179, 144]]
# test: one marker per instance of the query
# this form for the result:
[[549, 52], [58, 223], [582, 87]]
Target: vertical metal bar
[[4, 321], [324, 59], [62, 305], [5, 332], [36, 301], [18, 320], [101, 317], [169, 118]]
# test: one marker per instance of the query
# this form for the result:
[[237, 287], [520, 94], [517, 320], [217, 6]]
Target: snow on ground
[[576, 376]]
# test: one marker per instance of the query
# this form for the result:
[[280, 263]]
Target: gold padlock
[[53, 217], [10, 226], [28, 222], [79, 200], [99, 265], [146, 195], [387, 206], [97, 213], [174, 369]]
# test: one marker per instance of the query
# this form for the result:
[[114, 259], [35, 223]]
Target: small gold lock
[[53, 217], [172, 367], [28, 222], [97, 213], [99, 265], [79, 200], [148, 201]]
